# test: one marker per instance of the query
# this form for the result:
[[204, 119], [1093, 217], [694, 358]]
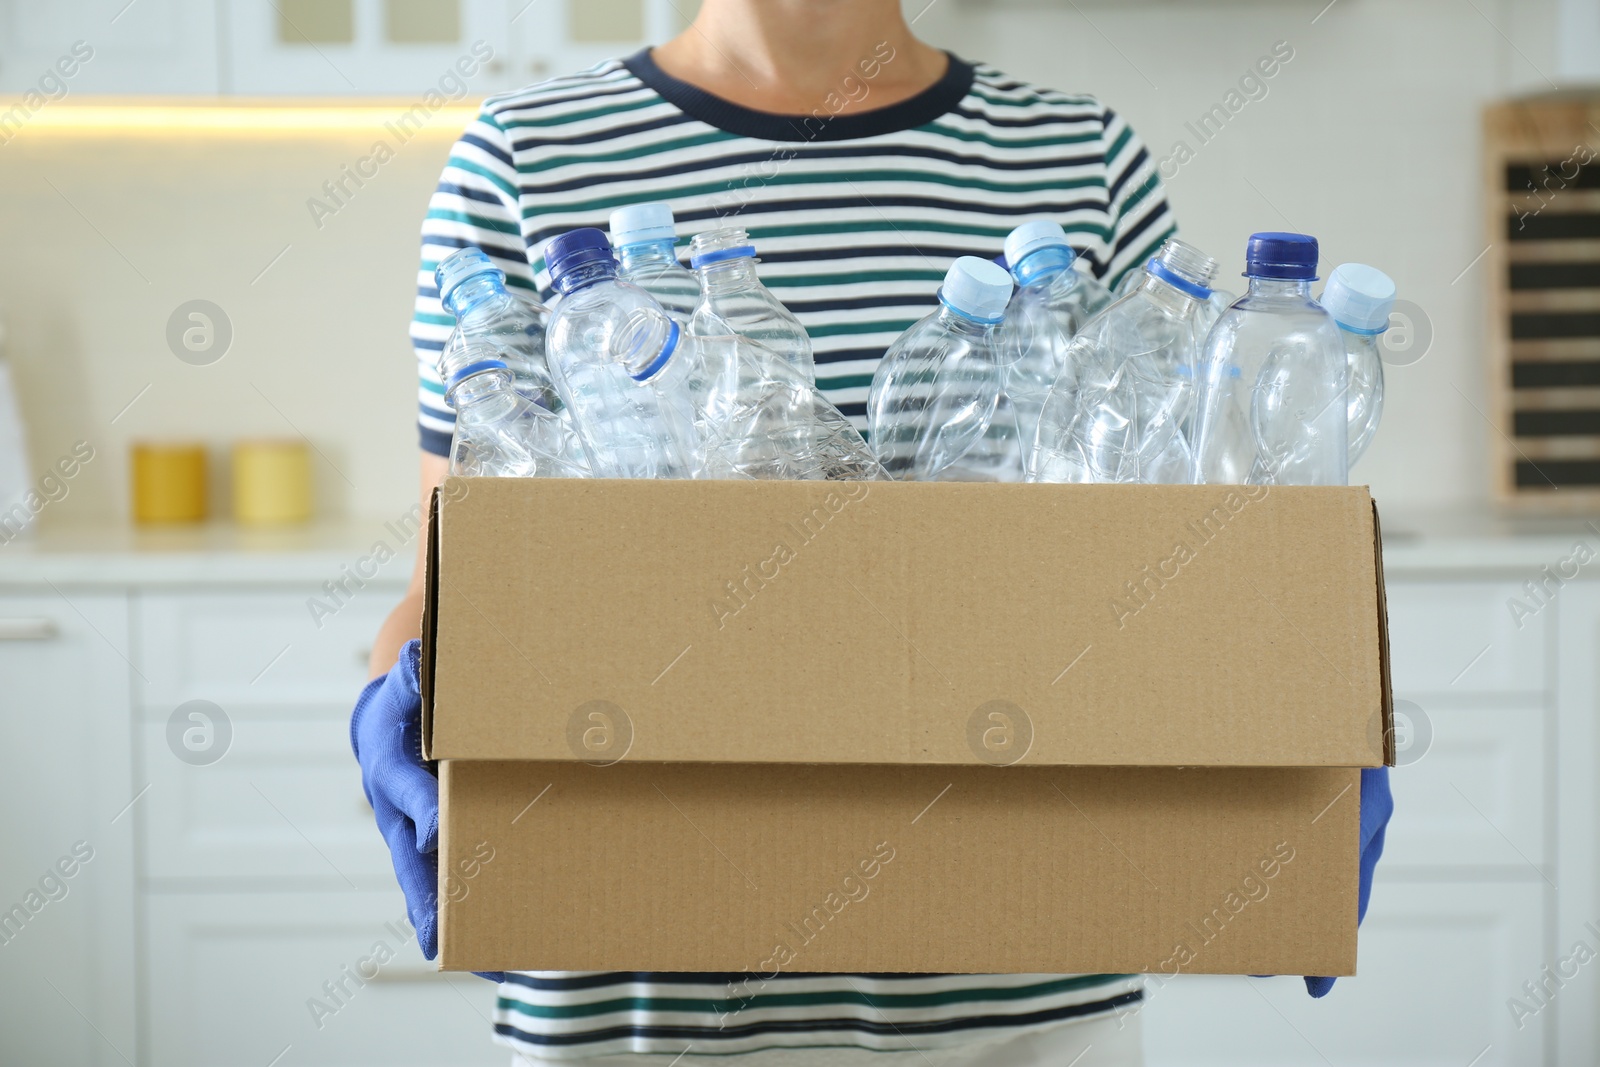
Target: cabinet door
[[249, 979], [66, 831], [1437, 966], [282, 805], [1578, 812], [157, 47], [552, 38], [400, 48]]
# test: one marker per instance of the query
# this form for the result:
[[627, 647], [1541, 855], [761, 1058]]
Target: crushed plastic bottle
[[499, 432], [1360, 299], [1272, 387], [646, 242], [473, 289], [757, 415], [1052, 301], [1120, 411], [628, 429], [937, 410], [733, 300]]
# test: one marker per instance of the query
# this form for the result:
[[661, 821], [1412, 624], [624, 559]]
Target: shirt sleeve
[[1140, 219], [476, 204]]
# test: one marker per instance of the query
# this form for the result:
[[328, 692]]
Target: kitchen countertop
[[1415, 543]]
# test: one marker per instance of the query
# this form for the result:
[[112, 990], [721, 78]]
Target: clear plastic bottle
[[937, 410], [733, 300], [757, 416], [499, 432], [628, 429], [1052, 301], [1272, 385], [1221, 300], [1121, 409], [1360, 299], [646, 242], [474, 290]]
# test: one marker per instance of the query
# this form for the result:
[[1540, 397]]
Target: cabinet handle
[[29, 630]]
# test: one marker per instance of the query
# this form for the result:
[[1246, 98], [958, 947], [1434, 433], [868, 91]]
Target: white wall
[[1367, 138]]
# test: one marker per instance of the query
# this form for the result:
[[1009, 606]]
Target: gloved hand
[[386, 735], [1377, 804]]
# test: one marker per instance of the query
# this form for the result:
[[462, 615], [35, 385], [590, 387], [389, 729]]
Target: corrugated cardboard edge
[[430, 601], [1386, 686]]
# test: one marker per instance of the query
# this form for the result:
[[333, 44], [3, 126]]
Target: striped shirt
[[856, 218]]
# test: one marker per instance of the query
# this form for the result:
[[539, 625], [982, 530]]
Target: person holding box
[[864, 162]]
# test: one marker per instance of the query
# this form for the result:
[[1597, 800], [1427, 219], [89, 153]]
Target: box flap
[[430, 599], [794, 622], [766, 869], [1386, 711]]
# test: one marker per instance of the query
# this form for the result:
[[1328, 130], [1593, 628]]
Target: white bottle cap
[[1032, 236], [1359, 297], [976, 288], [641, 222]]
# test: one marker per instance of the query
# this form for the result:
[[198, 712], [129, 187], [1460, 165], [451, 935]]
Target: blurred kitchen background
[[180, 163]]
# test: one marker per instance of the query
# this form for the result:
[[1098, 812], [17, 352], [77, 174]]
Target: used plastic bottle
[[1360, 299], [499, 432], [733, 300], [1221, 300], [757, 415], [1052, 301], [474, 290], [645, 241], [628, 429], [1272, 386], [1120, 410], [937, 410]]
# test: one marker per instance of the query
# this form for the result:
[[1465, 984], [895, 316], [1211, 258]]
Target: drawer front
[[254, 649], [238, 980], [1476, 797], [1436, 966], [283, 802], [1461, 637]]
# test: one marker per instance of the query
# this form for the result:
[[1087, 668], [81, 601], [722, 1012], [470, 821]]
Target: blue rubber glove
[[1376, 806], [386, 734]]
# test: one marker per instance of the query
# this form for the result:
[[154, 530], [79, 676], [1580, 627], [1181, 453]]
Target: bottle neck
[[648, 255], [1360, 340], [729, 276], [1281, 288], [472, 294], [584, 275], [480, 386], [1044, 265], [958, 323]]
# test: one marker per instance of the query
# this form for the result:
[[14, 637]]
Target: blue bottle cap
[[1359, 297], [577, 248], [1290, 256], [1032, 236], [461, 265], [976, 289], [637, 223]]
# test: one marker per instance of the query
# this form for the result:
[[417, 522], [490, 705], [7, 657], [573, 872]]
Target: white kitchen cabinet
[[284, 806], [237, 980], [1437, 962], [66, 943], [1577, 818], [255, 648], [405, 47], [156, 47]]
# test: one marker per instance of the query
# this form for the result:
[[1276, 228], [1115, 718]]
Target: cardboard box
[[734, 726]]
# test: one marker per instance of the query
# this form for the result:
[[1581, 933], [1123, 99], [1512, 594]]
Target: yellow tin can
[[169, 482], [271, 482]]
